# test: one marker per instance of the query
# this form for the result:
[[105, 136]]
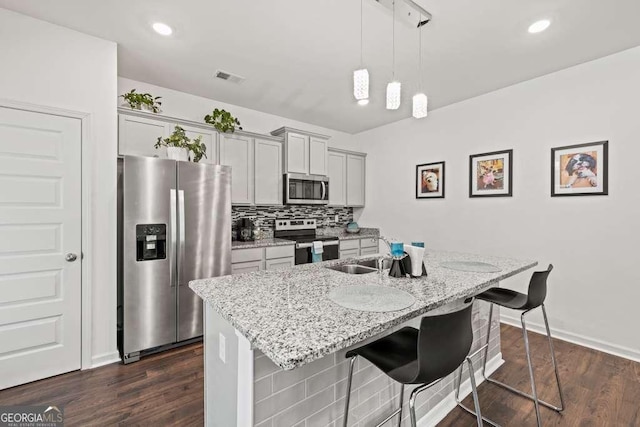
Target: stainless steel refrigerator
[[174, 226]]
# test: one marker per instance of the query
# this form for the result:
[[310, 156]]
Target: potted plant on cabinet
[[179, 146], [222, 120], [138, 100]]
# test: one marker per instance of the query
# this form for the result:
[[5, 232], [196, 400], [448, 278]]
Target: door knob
[[70, 257]]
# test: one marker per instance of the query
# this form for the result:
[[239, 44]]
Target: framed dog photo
[[490, 174], [430, 181], [580, 170]]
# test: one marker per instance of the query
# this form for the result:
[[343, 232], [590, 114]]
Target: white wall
[[191, 107], [52, 66], [592, 241]]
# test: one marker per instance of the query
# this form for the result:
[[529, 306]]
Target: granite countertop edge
[[365, 232], [288, 363]]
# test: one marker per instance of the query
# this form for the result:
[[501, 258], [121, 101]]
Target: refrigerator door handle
[[181, 232], [173, 241]]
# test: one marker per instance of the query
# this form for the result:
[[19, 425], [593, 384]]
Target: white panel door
[[337, 179], [210, 140], [355, 180], [268, 174], [40, 225], [297, 153], [318, 156], [138, 135], [237, 152]]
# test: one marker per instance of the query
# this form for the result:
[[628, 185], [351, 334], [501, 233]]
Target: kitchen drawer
[[369, 251], [245, 255], [349, 244], [246, 267], [349, 253], [369, 242], [281, 263], [280, 252]]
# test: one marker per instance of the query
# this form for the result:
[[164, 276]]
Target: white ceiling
[[298, 55]]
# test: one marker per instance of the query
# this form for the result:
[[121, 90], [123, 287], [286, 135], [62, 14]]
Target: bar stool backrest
[[537, 288], [444, 342]]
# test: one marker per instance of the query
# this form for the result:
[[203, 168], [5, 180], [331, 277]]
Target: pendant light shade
[[361, 84], [420, 105], [393, 95]]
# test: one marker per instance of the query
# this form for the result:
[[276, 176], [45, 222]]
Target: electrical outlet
[[223, 348]]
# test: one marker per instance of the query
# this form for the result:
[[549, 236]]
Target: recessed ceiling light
[[539, 26], [163, 29], [363, 101]]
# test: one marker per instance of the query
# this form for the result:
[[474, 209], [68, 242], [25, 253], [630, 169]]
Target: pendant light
[[361, 76], [394, 88], [420, 101]]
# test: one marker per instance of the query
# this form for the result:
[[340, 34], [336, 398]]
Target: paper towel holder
[[402, 267]]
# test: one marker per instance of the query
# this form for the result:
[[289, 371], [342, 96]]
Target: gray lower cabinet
[[358, 247], [280, 264], [258, 259], [246, 267]]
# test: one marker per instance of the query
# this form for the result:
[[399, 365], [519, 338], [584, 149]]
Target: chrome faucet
[[381, 260]]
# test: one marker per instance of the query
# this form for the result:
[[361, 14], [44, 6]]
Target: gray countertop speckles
[[286, 313], [343, 235], [262, 243]]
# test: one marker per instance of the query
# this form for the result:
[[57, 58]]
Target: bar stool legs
[[347, 397], [534, 396], [476, 402]]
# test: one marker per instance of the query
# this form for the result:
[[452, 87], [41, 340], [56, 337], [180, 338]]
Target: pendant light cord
[[420, 56], [393, 42], [361, 44]]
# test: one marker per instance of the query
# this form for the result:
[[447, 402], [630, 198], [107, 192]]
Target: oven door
[[302, 189], [330, 250]]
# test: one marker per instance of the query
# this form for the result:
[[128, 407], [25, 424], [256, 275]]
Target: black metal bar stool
[[534, 298], [425, 356]]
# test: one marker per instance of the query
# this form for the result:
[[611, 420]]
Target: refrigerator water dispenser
[[151, 242]]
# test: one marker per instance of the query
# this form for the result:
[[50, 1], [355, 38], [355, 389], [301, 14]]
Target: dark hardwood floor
[[167, 389]]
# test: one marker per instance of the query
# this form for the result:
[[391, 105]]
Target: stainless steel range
[[303, 232]]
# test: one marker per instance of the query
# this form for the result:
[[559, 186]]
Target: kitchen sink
[[354, 269], [373, 263]]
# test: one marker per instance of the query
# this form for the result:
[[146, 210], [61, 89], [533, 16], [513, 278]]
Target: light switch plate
[[222, 353]]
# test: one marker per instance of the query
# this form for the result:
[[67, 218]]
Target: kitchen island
[[275, 343]]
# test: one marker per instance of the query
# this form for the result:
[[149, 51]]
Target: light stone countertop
[[287, 315], [342, 234], [261, 243]]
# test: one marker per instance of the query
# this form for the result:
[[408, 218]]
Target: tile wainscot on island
[[274, 342]]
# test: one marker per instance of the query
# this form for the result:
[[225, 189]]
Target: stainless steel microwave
[[300, 189]]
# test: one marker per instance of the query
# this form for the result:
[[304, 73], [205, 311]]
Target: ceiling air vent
[[223, 75]]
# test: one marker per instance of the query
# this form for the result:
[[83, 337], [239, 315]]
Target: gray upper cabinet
[[137, 136], [237, 151], [347, 174], [268, 172], [355, 180], [209, 138], [304, 152], [318, 156], [337, 179], [139, 131]]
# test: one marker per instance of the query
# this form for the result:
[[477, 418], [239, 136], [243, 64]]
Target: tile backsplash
[[264, 216]]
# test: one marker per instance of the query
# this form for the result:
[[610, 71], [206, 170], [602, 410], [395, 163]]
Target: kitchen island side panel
[[314, 393]]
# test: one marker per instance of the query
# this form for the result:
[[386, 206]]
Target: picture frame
[[430, 181], [491, 174], [580, 170]]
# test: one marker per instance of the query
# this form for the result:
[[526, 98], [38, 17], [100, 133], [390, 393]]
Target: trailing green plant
[[137, 100], [222, 120], [179, 139]]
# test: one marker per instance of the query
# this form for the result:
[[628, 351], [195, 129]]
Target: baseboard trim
[[448, 404], [104, 359], [581, 340]]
